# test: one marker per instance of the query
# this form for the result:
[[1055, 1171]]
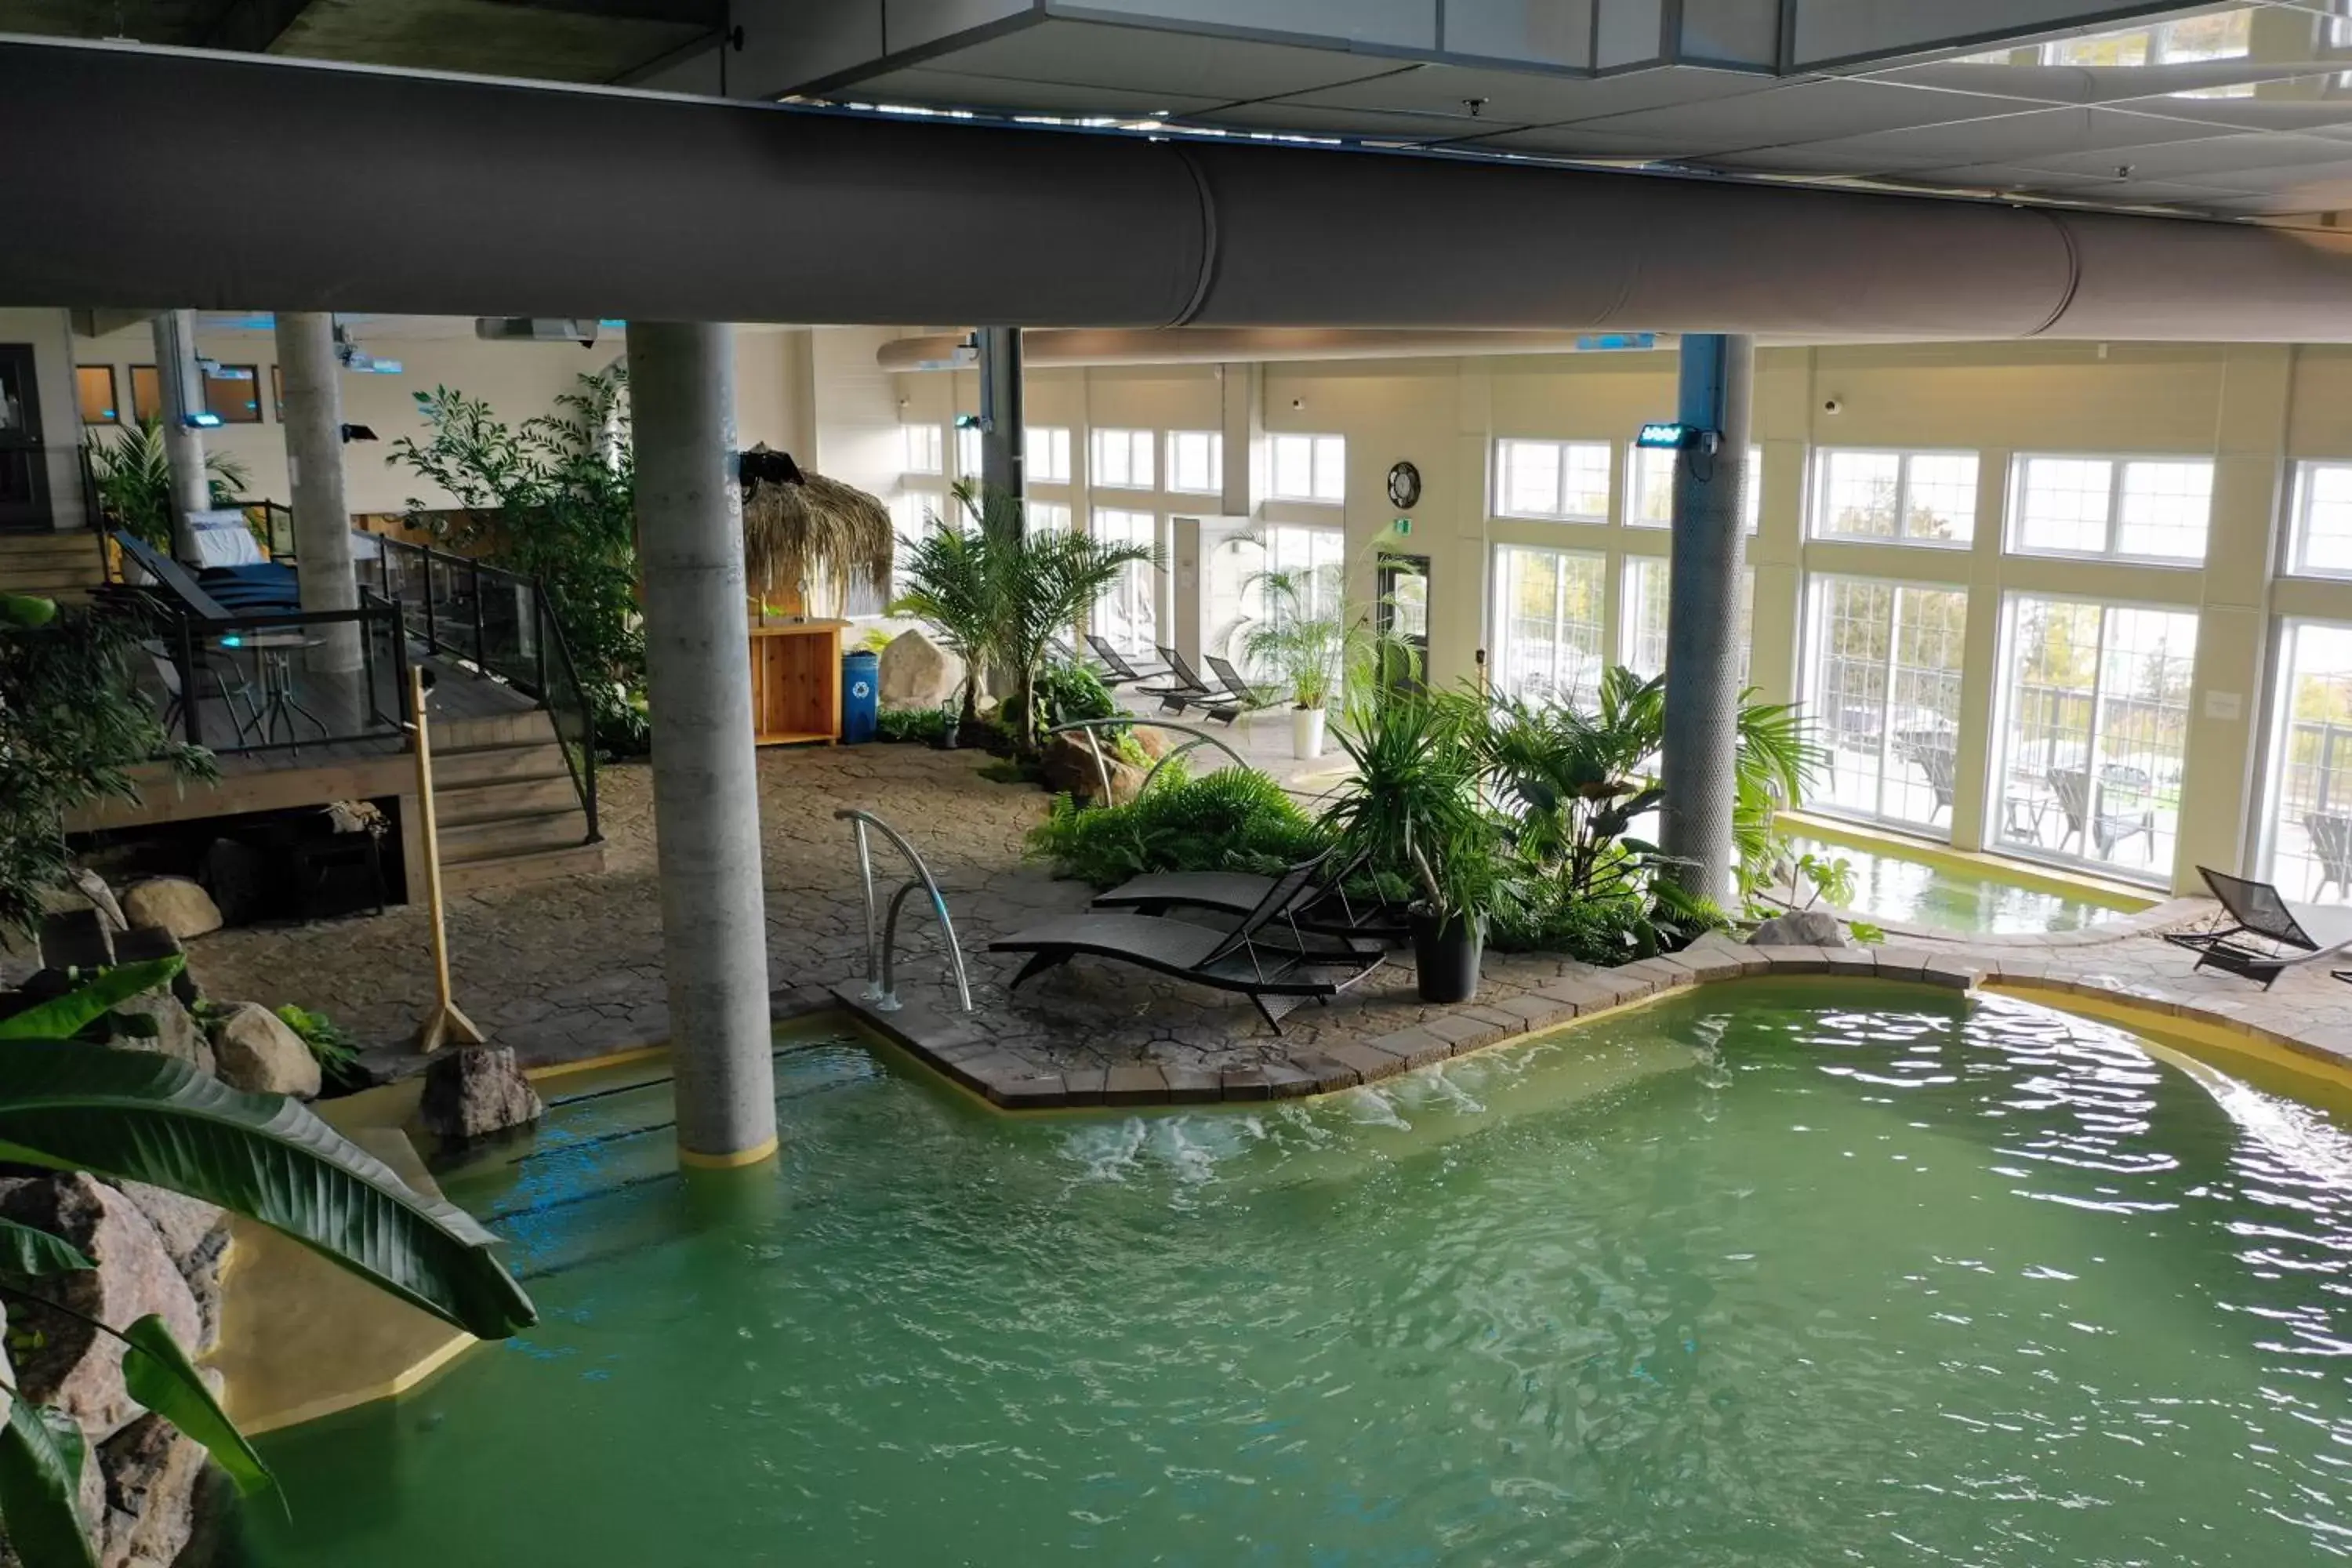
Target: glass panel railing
[[278, 682]]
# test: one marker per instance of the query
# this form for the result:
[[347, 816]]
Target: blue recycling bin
[[861, 696]]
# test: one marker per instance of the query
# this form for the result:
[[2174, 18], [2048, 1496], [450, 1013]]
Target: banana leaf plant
[[139, 1116]]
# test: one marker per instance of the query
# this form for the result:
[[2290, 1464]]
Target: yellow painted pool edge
[[2191, 1033], [2057, 881]]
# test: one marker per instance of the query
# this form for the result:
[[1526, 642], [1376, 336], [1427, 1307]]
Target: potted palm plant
[[1414, 810], [1309, 654]]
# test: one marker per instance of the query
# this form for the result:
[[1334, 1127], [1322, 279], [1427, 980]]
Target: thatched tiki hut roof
[[800, 527]]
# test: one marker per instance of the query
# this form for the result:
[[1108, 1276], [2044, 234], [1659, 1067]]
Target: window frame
[[1051, 438], [2298, 519], [140, 415], [2013, 525], [1169, 482], [113, 404], [1138, 440], [1632, 487], [1810, 669], [1151, 577], [252, 379], [1500, 618], [1631, 564], [1817, 495], [1316, 440], [2279, 724], [1498, 502], [934, 459]]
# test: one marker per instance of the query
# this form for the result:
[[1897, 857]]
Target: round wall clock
[[1404, 485]]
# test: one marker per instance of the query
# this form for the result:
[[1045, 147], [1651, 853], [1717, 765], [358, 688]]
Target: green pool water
[[1913, 892], [1773, 1274]]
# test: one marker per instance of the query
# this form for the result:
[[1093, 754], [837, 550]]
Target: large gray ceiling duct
[[334, 189]]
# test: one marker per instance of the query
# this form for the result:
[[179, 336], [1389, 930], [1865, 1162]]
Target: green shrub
[[337, 1054], [924, 725], [1231, 820], [1606, 931]]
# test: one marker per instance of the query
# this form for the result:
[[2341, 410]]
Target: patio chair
[[1942, 767], [176, 703], [1185, 686], [2268, 936], [1115, 670], [1243, 697], [1321, 905], [1269, 974], [2331, 845], [2073, 788]]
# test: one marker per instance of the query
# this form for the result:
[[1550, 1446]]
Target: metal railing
[[281, 681], [881, 949], [1199, 738], [500, 623]]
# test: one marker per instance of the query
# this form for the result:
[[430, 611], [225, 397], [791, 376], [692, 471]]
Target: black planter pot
[[1445, 954]]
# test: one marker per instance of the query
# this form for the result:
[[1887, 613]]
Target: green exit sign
[[1403, 525]]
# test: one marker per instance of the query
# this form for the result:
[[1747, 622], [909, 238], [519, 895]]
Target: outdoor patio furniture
[[207, 663], [210, 598], [1185, 686], [1243, 697], [1320, 905], [1242, 959], [2331, 845], [2110, 829], [2267, 936], [1933, 755], [1116, 669]]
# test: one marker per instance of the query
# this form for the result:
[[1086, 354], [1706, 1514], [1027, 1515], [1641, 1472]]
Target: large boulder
[[61, 1361], [477, 1091], [257, 1052], [174, 903], [175, 1031], [1800, 928], [1067, 763], [143, 942], [195, 1234], [916, 672], [151, 1473]]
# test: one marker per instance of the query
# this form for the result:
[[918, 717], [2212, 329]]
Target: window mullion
[[2114, 508], [1887, 691], [2092, 763]]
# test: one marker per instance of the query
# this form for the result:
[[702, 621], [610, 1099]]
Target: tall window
[[2137, 508], [1312, 560], [1643, 620], [922, 446], [913, 513], [1045, 455], [1128, 611], [1885, 690], [94, 390], [1650, 488], [1122, 459], [969, 461], [1045, 517], [1196, 462], [2320, 541], [1564, 480], [234, 392], [1909, 498], [2309, 845], [1548, 624], [1310, 468], [2097, 704], [146, 394]]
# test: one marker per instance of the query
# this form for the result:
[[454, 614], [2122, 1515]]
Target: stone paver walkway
[[568, 969]]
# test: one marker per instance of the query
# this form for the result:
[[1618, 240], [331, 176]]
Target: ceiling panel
[[923, 85], [1523, 98], [1288, 114], [1190, 65], [2096, 84], [2193, 159], [1809, 110], [2018, 138]]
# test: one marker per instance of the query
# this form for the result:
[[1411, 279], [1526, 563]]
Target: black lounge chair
[[1185, 686], [1269, 974], [2269, 937], [1244, 698], [1116, 669], [1320, 906], [206, 597]]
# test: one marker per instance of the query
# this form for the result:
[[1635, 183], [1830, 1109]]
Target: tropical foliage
[[1235, 819], [133, 471], [552, 499], [1413, 809], [999, 593], [143, 1117], [71, 725]]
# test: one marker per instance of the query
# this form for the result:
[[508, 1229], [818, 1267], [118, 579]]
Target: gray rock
[[1069, 766], [176, 1033], [195, 1234], [150, 1473], [174, 903], [1800, 928], [61, 1361], [916, 672], [142, 943], [257, 1052], [77, 939], [476, 1091]]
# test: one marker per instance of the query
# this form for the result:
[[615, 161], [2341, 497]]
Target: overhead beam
[[378, 191]]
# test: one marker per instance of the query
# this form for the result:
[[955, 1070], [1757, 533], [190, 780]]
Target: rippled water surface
[[1774, 1274], [1913, 892]]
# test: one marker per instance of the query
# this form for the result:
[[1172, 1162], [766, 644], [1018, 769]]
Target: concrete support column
[[1000, 411], [1718, 374], [313, 420], [176, 379], [706, 793]]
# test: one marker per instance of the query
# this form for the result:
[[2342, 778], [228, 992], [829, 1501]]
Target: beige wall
[[51, 333], [2252, 410]]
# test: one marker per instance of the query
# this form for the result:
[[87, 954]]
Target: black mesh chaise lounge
[[1185, 686], [1275, 976], [1239, 696], [1116, 669], [2268, 937], [1321, 905]]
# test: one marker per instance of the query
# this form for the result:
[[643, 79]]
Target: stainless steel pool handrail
[[881, 955], [1102, 770]]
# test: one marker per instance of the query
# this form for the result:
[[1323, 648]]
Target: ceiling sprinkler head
[[2123, 171], [1476, 106]]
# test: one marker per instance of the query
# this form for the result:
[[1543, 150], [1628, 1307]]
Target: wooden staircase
[[508, 810], [62, 567]]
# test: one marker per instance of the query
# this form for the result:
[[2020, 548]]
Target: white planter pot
[[1305, 732]]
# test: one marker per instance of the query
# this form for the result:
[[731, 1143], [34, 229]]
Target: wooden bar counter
[[796, 681]]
